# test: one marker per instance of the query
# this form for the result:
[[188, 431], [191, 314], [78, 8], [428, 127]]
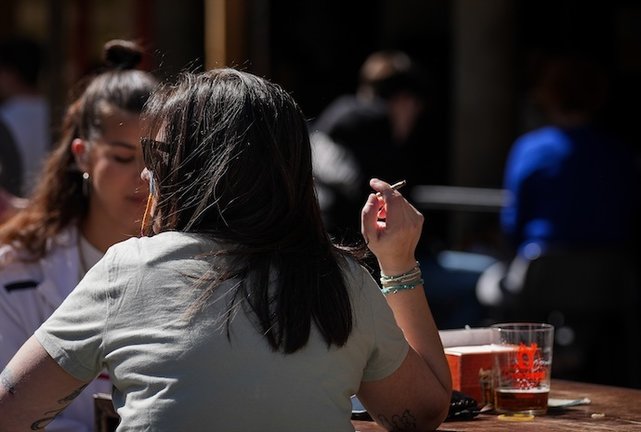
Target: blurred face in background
[[113, 161]]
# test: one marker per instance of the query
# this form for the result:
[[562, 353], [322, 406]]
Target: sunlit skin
[[118, 194]]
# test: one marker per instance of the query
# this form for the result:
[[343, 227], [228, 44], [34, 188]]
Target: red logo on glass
[[527, 369]]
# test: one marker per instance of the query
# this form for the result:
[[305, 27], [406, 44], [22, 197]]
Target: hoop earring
[[86, 184]]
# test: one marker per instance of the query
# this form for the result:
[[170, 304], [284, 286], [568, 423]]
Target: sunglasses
[[155, 155]]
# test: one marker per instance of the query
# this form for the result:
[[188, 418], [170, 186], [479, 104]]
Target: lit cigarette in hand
[[395, 186]]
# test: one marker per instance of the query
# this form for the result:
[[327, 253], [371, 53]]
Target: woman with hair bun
[[88, 197]]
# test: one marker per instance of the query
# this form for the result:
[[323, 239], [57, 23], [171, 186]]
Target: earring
[[86, 184]]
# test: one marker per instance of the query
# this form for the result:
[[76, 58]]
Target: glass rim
[[521, 326]]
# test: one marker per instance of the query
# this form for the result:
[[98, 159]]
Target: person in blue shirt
[[571, 220], [571, 184]]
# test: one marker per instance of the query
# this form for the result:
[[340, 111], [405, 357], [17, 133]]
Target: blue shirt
[[569, 188]]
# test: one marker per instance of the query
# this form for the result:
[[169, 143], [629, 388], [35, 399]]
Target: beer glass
[[521, 369]]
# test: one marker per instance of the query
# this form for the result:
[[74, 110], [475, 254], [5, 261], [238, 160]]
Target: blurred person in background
[[23, 109], [571, 182], [572, 220], [10, 175], [384, 130], [391, 128], [88, 197]]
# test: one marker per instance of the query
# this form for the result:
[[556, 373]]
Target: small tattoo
[[6, 378], [42, 423], [67, 399], [51, 415], [398, 423]]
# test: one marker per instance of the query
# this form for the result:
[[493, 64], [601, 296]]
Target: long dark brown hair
[[58, 200], [237, 167]]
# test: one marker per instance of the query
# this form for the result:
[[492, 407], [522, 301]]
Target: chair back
[[106, 417]]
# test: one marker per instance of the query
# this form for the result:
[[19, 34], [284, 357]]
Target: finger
[[384, 192], [379, 185], [369, 217], [395, 209]]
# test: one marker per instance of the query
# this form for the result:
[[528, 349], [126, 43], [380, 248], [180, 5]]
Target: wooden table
[[612, 409]]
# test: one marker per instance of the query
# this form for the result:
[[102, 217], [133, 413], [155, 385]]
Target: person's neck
[[572, 119], [102, 234]]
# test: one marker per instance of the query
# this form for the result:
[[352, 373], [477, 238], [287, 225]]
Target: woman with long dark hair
[[89, 196], [237, 312]]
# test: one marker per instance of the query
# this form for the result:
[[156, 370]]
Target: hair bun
[[122, 54]]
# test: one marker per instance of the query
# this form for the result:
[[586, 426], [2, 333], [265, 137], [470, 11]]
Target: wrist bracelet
[[402, 279], [393, 289], [412, 270]]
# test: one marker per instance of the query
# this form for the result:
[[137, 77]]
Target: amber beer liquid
[[531, 401]]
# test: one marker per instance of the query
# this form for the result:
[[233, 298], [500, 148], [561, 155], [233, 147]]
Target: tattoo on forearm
[[398, 423], [43, 422], [67, 399], [40, 424], [7, 381]]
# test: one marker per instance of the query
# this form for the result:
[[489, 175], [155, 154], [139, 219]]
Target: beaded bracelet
[[413, 273], [393, 289], [404, 281], [401, 281]]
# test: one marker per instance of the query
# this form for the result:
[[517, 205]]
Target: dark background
[[481, 58]]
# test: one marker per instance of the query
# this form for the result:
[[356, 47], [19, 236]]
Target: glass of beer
[[522, 364]]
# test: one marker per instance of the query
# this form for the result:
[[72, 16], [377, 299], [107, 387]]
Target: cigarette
[[396, 186]]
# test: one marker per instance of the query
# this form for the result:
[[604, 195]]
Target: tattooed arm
[[34, 389]]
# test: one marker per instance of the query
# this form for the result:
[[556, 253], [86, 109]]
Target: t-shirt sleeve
[[73, 334], [389, 347]]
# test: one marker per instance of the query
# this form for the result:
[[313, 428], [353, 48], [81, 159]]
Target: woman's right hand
[[391, 227]]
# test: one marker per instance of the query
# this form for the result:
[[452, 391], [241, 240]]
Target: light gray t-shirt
[[174, 374]]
